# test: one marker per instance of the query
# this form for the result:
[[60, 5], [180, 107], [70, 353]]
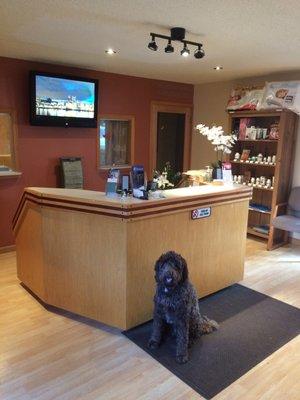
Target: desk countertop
[[130, 208]]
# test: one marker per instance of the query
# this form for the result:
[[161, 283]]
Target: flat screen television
[[62, 100]]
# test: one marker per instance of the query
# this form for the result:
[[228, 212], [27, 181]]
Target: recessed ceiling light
[[218, 67], [110, 51]]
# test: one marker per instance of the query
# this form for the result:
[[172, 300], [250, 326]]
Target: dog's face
[[170, 271]]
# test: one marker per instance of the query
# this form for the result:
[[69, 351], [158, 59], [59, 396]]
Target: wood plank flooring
[[46, 355]]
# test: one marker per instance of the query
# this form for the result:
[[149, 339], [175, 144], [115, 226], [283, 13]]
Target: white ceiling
[[247, 37]]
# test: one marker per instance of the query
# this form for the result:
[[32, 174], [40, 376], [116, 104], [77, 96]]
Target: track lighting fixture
[[152, 45], [177, 34], [185, 51], [169, 48]]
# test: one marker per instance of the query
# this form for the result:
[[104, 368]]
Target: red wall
[[40, 147]]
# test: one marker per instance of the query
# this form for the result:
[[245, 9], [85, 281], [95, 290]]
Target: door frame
[[176, 108]]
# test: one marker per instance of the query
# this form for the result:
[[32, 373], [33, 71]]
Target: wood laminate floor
[[46, 355]]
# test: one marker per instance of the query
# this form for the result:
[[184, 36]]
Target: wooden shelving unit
[[284, 149]]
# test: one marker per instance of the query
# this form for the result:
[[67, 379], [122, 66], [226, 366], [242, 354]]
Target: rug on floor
[[252, 327]]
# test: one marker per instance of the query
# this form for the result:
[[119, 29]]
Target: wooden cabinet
[[265, 199]]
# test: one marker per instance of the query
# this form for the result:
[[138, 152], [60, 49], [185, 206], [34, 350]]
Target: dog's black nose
[[169, 280]]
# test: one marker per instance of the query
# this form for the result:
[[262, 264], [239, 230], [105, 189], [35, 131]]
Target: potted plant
[[168, 178], [222, 145]]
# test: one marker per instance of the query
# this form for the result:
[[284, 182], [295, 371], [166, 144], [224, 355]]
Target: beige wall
[[210, 100], [209, 108]]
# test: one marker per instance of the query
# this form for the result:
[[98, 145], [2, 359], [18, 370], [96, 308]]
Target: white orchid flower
[[216, 136]]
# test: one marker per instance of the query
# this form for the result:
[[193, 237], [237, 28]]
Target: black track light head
[[199, 53], [152, 45], [169, 48], [185, 52]]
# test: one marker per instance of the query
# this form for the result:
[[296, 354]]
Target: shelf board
[[259, 234], [274, 112], [259, 211], [254, 164], [261, 188], [259, 140], [10, 174]]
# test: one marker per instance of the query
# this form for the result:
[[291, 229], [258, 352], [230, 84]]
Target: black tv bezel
[[72, 122]]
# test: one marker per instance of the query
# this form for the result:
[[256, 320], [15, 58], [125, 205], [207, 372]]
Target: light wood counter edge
[[117, 202]]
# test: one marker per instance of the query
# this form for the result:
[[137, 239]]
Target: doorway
[[170, 140], [170, 136]]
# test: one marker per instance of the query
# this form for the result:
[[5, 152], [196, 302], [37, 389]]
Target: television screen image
[[63, 101]]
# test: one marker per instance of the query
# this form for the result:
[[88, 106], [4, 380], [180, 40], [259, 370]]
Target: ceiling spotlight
[[152, 45], [169, 48], [218, 67], [110, 51], [185, 51], [199, 53]]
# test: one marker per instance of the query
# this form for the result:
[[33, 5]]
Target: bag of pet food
[[281, 95], [245, 98]]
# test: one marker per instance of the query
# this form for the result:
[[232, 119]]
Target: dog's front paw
[[208, 325], [153, 344], [182, 359]]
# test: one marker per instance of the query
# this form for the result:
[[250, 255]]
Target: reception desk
[[93, 255]]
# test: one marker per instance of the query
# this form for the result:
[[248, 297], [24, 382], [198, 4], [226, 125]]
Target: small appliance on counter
[[124, 185], [139, 182]]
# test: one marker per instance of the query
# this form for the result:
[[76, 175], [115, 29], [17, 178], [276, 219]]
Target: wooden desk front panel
[[214, 248], [85, 264], [30, 257]]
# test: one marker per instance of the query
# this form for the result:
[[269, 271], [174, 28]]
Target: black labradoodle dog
[[176, 304]]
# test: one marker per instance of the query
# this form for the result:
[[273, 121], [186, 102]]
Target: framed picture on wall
[[115, 141], [71, 172]]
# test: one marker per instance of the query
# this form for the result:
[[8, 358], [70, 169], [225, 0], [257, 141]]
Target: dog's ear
[[157, 266], [184, 269], [161, 261]]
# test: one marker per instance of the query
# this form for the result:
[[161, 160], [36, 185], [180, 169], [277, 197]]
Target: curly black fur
[[176, 304]]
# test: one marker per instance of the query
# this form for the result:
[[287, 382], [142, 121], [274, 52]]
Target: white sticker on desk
[[201, 213]]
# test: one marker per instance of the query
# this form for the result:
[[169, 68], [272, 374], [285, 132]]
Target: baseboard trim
[[295, 241], [6, 249]]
